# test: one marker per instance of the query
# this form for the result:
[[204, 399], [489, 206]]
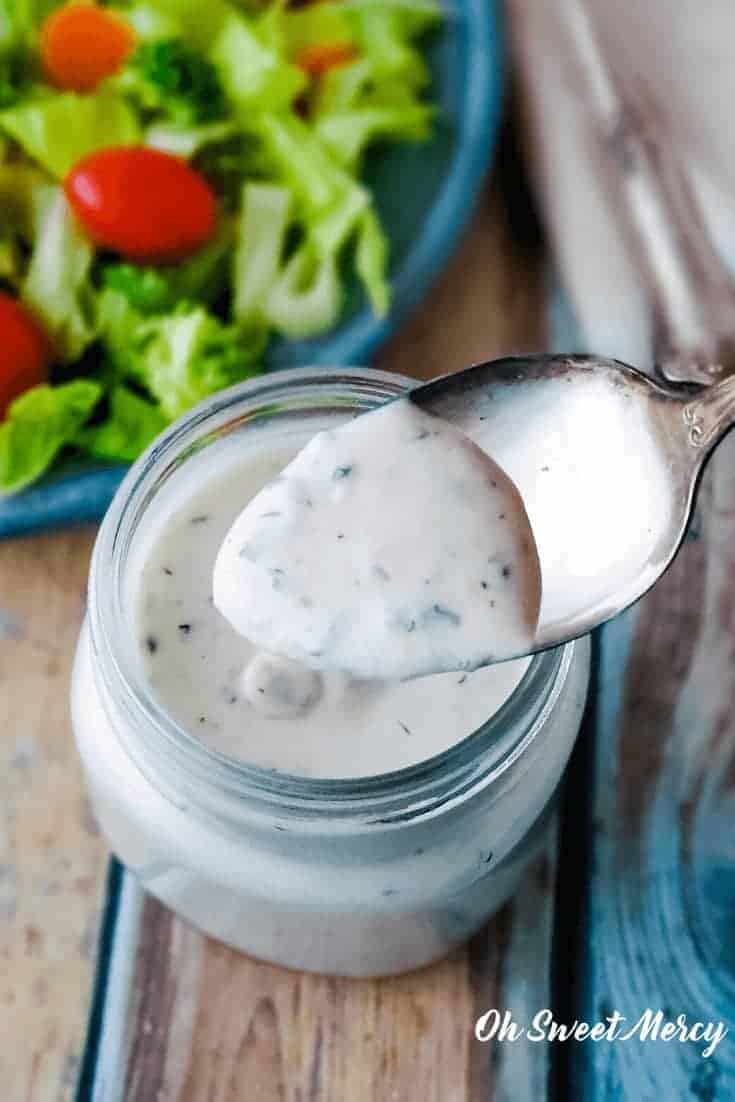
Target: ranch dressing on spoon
[[390, 547]]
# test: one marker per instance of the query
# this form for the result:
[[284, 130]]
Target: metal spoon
[[607, 462]]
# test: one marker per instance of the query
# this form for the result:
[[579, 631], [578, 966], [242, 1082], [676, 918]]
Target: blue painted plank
[[661, 897], [650, 826]]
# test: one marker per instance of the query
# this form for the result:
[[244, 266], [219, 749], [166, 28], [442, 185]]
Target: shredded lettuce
[[255, 76], [150, 22], [331, 201], [169, 77], [146, 290], [25, 196], [13, 78], [38, 425], [331, 207], [257, 259], [19, 20], [383, 31], [57, 285], [315, 25], [349, 86], [131, 424], [306, 299], [185, 141], [371, 259], [222, 83], [10, 259], [60, 129], [199, 280], [119, 327], [197, 21], [190, 355], [416, 17], [348, 133], [300, 160], [229, 162], [179, 357]]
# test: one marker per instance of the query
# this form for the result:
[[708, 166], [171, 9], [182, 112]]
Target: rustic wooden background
[[644, 908], [213, 1025]]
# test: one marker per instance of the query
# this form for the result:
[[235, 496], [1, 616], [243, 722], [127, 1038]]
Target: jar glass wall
[[365, 876]]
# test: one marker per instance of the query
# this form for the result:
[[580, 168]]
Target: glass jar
[[358, 877]]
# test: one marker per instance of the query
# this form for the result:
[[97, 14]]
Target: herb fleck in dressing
[[392, 547], [271, 711]]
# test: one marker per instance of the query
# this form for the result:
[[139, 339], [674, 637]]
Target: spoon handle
[[710, 415]]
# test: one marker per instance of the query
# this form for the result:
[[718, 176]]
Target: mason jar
[[363, 876]]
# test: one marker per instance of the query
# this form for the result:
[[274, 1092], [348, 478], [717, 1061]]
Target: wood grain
[[490, 301], [659, 930], [652, 816], [52, 859], [210, 1024]]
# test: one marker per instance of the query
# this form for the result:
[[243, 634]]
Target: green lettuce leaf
[[149, 21], [169, 77], [346, 86], [185, 141], [10, 259], [205, 276], [257, 258], [315, 25], [38, 425], [147, 290], [306, 299], [228, 162], [179, 357], [384, 31], [14, 74], [330, 200], [57, 286], [348, 133], [201, 279], [119, 326], [416, 16], [256, 77], [25, 194], [189, 355], [130, 426], [197, 21], [60, 129], [371, 262], [331, 207], [20, 19]]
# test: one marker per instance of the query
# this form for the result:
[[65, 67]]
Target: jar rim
[[478, 758]]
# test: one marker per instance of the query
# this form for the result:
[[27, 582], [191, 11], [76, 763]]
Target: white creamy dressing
[[271, 711], [392, 547]]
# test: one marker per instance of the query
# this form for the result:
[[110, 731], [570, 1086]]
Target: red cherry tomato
[[24, 351], [82, 44], [143, 203]]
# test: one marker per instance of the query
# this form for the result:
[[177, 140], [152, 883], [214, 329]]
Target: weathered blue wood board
[[659, 895], [649, 833]]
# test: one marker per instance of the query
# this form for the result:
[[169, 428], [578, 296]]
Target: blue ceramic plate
[[425, 194]]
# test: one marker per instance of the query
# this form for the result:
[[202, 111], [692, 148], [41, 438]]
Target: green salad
[[180, 180]]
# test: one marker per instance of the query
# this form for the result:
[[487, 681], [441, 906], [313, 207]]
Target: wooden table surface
[[631, 908], [295, 1038]]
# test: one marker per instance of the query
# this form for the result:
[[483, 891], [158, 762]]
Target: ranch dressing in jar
[[302, 824]]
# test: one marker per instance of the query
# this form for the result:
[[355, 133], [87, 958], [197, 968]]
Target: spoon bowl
[[607, 462]]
